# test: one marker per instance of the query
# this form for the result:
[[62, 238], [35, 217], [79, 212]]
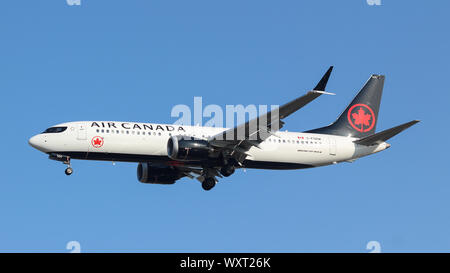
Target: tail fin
[[360, 117]]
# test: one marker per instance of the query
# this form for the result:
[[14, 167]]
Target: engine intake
[[157, 175], [180, 148]]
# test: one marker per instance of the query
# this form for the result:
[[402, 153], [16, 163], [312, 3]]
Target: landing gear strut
[[64, 159], [69, 169], [208, 183]]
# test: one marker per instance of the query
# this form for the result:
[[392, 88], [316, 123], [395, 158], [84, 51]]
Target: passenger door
[[81, 131]]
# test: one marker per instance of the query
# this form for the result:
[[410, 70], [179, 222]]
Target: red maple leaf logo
[[97, 141], [361, 118], [360, 115]]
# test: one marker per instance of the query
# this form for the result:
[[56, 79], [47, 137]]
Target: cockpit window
[[54, 130]]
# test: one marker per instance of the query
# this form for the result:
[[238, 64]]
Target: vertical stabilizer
[[360, 117]]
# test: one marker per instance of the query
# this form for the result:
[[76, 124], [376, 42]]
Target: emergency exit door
[[332, 142]]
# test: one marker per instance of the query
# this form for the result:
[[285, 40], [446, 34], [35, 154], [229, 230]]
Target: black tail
[[360, 117]]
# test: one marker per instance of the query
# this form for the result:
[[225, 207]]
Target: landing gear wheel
[[68, 171], [227, 170], [208, 183]]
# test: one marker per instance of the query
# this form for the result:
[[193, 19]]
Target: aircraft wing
[[242, 137]]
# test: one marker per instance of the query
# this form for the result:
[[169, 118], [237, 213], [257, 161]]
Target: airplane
[[167, 152]]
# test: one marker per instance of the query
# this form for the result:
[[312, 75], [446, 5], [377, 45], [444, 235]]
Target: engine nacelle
[[189, 149], [157, 175]]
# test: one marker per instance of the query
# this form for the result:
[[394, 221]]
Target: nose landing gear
[[68, 171], [64, 159]]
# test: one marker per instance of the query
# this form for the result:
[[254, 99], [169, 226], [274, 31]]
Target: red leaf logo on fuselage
[[361, 117], [97, 142]]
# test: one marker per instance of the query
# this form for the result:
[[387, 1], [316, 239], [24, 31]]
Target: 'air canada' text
[[138, 126]]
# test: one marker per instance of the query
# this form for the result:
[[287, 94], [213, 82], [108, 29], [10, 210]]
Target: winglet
[[323, 82]]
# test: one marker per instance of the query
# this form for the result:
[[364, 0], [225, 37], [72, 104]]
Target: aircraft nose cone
[[33, 141], [38, 142]]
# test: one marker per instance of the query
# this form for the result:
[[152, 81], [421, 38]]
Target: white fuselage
[[146, 142]]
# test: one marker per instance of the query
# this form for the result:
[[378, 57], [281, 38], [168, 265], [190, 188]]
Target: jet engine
[[189, 149], [147, 173]]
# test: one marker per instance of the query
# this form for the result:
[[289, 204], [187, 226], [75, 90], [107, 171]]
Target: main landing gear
[[208, 183], [227, 170], [209, 173], [228, 167]]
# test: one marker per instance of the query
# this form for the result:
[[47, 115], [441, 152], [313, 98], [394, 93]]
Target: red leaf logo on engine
[[97, 142], [361, 117]]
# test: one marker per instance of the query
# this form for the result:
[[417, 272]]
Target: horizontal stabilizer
[[384, 135]]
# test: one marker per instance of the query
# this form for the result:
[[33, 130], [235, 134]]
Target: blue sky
[[135, 60]]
